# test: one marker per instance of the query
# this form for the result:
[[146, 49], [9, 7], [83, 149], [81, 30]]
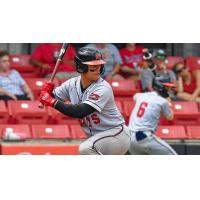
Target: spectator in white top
[[12, 85]]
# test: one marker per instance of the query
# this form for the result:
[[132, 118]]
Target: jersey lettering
[[95, 118], [87, 121], [141, 109]]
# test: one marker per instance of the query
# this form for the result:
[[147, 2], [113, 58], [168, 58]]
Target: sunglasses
[[180, 70]]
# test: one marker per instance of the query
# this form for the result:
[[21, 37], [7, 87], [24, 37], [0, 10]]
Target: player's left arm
[[76, 111]]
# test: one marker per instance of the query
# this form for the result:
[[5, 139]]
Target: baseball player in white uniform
[[145, 118], [93, 103]]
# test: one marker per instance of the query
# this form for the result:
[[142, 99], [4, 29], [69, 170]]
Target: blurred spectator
[[45, 56], [113, 60], [131, 56], [147, 75], [12, 85], [188, 83]]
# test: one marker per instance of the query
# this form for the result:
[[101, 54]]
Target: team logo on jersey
[[94, 97]]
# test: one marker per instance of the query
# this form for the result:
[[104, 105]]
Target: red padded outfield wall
[[35, 149]]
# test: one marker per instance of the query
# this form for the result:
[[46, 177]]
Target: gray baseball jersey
[[146, 113], [99, 95]]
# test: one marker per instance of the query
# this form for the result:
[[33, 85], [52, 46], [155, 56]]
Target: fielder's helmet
[[161, 84], [88, 56]]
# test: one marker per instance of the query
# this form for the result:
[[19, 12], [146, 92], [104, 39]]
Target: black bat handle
[[63, 50]]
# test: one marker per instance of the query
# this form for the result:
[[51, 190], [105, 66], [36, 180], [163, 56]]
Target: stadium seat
[[128, 107], [171, 132], [3, 113], [124, 87], [77, 132], [193, 132], [171, 60], [36, 84], [16, 129], [186, 113], [27, 112], [57, 117], [193, 62], [20, 62], [50, 131]]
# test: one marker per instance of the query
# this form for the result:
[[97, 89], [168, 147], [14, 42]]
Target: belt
[[141, 135]]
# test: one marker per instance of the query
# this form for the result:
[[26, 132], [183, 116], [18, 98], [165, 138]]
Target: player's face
[[93, 73], [5, 63]]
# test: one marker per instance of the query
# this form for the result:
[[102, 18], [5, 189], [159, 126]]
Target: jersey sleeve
[[62, 92], [166, 109], [99, 98]]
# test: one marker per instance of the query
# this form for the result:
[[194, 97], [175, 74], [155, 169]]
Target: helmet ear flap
[[80, 67], [159, 87]]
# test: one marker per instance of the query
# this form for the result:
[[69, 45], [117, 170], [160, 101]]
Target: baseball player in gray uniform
[[145, 118], [92, 101]]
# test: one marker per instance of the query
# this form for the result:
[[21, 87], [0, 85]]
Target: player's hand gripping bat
[[60, 57]]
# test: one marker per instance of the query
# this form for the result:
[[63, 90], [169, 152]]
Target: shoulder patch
[[94, 97]]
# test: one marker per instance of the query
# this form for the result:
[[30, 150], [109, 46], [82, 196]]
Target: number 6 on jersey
[[141, 109]]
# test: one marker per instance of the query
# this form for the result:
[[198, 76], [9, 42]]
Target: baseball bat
[[59, 59]]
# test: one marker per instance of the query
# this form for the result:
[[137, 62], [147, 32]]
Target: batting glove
[[48, 87], [46, 99]]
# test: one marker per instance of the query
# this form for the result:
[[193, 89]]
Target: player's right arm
[[56, 98]]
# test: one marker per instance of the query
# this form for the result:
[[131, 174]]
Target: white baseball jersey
[[146, 113], [99, 95]]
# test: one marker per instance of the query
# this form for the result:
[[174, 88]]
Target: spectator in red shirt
[[131, 56], [188, 82], [45, 56]]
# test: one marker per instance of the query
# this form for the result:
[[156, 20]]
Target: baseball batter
[[145, 118], [93, 103]]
